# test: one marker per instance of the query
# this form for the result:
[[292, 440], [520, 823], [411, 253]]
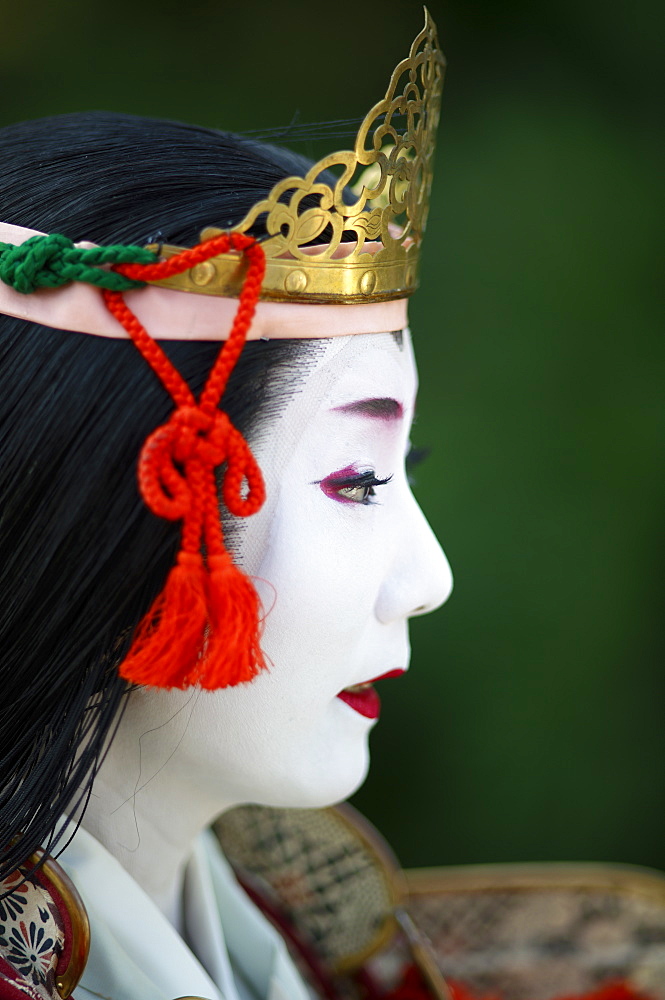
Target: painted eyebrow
[[382, 408]]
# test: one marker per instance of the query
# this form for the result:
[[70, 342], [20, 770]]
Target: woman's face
[[342, 557]]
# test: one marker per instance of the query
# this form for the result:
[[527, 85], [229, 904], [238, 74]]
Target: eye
[[352, 488], [358, 494]]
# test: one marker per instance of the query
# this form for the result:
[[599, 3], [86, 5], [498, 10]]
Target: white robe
[[136, 954]]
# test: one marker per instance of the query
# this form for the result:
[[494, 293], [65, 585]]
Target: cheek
[[276, 743], [321, 576]]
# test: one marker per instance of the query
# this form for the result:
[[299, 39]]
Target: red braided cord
[[249, 296], [188, 258], [167, 373], [231, 349], [177, 481]]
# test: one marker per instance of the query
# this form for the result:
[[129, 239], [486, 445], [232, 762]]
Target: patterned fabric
[[514, 932], [530, 944], [32, 939], [326, 877]]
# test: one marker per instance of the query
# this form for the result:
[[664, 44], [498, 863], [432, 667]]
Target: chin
[[334, 780]]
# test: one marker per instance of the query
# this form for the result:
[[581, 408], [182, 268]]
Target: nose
[[420, 579]]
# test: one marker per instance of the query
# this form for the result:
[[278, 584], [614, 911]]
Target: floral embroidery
[[31, 934], [29, 949], [11, 907]]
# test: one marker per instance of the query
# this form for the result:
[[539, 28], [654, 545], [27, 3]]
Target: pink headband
[[175, 315]]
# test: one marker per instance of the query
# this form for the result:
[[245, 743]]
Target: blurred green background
[[531, 725]]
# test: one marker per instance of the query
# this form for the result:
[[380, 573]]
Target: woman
[[339, 554]]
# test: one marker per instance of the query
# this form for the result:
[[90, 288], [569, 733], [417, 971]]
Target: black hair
[[81, 558]]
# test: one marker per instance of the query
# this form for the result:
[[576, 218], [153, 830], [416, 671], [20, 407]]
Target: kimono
[[576, 932], [135, 953]]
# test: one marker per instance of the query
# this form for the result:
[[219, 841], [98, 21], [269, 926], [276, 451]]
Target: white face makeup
[[343, 557]]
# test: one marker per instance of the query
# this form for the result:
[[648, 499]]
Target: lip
[[364, 699]]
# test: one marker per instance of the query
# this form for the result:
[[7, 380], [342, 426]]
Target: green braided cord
[[53, 261]]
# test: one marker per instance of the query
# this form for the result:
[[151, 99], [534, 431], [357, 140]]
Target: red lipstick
[[363, 698]]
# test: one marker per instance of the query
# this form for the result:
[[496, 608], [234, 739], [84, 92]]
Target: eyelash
[[334, 488]]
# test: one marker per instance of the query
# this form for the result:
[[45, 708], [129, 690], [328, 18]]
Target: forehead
[[330, 375], [372, 367]]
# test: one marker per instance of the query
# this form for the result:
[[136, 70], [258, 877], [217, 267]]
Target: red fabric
[[66, 954], [611, 991], [13, 986], [204, 627], [413, 987]]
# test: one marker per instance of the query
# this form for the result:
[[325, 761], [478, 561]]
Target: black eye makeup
[[350, 486]]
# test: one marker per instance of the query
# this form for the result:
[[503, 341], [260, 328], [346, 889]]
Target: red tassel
[[204, 627], [169, 641], [233, 652]]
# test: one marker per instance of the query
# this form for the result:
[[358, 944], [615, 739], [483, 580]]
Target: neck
[[146, 807]]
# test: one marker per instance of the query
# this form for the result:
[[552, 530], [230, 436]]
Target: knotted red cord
[[204, 626]]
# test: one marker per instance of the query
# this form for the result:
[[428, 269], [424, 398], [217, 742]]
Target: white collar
[[136, 954]]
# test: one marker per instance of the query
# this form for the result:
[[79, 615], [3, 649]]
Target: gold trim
[[337, 281], [68, 981], [389, 171], [387, 863], [538, 877]]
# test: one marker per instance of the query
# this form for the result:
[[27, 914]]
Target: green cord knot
[[53, 261]]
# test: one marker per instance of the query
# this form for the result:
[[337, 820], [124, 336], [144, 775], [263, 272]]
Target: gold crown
[[390, 174]]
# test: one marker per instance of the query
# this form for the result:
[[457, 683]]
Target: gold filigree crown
[[373, 242]]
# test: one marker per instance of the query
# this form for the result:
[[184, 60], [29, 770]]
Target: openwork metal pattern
[[373, 236]]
